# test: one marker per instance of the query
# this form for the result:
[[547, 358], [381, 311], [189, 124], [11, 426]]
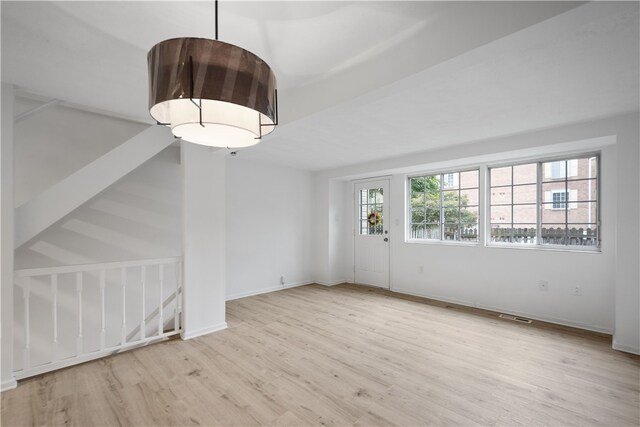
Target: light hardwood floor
[[346, 355]]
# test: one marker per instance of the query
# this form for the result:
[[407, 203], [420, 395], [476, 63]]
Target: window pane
[[417, 215], [525, 194], [525, 214], [583, 190], [524, 233], [375, 195], [451, 215], [501, 214], [584, 168], [553, 216], [469, 232], [451, 232], [583, 235], [582, 212], [372, 196], [451, 198], [500, 233], [469, 216], [432, 215], [364, 227], [450, 180], [469, 179], [525, 174], [553, 234], [554, 170], [425, 231], [417, 231], [469, 197], [548, 187], [501, 196], [501, 176]]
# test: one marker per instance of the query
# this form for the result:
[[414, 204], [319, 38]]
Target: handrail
[[63, 269]]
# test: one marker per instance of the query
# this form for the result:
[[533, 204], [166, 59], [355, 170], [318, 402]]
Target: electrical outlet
[[282, 280], [543, 285], [577, 290]]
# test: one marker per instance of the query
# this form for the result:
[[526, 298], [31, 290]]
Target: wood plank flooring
[[347, 355]]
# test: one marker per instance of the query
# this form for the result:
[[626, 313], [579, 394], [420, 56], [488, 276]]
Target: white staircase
[[51, 205]]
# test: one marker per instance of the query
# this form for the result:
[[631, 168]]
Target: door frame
[[355, 218]]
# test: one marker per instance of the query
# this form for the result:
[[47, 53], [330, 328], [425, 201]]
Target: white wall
[[506, 279], [54, 143], [269, 223]]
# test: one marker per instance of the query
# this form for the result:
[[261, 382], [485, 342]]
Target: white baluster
[[161, 308], [143, 279], [54, 312], [79, 293], [123, 331], [26, 290], [178, 318], [103, 329]]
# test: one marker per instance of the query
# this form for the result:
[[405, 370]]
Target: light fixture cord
[[216, 19]]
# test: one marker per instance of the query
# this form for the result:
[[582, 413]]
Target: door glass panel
[[371, 212]]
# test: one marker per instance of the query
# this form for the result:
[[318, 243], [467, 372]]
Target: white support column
[[7, 235], [204, 244]]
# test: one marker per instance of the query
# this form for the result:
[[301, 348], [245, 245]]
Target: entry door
[[372, 233]]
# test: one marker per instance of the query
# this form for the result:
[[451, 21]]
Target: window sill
[[441, 242], [552, 248]]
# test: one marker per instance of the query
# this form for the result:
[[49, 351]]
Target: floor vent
[[515, 318]]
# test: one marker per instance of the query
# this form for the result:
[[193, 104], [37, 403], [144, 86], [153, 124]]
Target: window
[[444, 206], [546, 203], [371, 213], [559, 199]]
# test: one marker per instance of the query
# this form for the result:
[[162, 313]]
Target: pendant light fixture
[[210, 92]]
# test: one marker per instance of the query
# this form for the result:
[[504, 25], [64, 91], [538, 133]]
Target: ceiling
[[358, 81]]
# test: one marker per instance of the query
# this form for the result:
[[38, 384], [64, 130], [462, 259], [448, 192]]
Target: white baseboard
[[267, 290], [625, 348], [558, 321], [9, 385], [337, 282], [203, 331]]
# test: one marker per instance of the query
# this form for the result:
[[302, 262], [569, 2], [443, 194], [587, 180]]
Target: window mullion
[[513, 234], [441, 207], [459, 210], [566, 202], [539, 202]]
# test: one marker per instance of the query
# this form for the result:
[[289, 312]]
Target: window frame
[[540, 203], [442, 174]]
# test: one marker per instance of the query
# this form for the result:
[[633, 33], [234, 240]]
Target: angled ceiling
[[358, 81]]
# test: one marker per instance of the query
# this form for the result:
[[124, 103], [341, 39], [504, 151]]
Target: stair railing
[[125, 320]]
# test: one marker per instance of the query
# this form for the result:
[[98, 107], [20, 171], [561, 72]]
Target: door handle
[[386, 239]]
